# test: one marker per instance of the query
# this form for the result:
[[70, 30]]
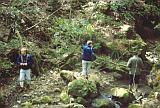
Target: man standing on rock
[[135, 65], [87, 58], [25, 62]]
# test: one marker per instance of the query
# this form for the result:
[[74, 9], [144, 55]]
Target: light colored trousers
[[25, 74], [86, 65]]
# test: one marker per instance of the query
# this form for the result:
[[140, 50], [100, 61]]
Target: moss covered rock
[[81, 100], [65, 97], [103, 103], [27, 105], [122, 95], [67, 75], [42, 100], [82, 88], [134, 106]]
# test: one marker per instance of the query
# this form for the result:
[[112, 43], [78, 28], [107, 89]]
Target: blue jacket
[[25, 59], [88, 52]]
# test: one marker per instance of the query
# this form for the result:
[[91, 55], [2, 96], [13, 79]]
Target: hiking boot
[[21, 89], [28, 86]]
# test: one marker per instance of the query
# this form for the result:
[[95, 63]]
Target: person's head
[[89, 43], [135, 53], [23, 51]]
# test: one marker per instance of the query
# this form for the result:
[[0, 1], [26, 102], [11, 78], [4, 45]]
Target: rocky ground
[[45, 90]]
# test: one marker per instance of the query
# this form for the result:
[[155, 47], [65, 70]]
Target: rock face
[[82, 88], [103, 103], [122, 95]]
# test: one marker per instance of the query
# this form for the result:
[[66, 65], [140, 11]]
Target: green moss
[[134, 106], [65, 97], [36, 101], [82, 87], [27, 105], [46, 99]]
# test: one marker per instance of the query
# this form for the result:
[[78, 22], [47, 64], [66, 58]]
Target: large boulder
[[122, 95], [82, 87], [103, 103], [67, 75]]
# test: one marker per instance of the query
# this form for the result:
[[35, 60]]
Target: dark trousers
[[133, 79]]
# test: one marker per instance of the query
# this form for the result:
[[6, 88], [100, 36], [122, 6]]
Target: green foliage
[[123, 5], [120, 35], [136, 45], [151, 9], [65, 98], [110, 64], [128, 16], [100, 18], [42, 100], [22, 2], [5, 64], [71, 30], [46, 100], [101, 7], [27, 105]]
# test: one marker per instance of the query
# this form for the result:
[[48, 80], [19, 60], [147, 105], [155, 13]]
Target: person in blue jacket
[[87, 58], [25, 62]]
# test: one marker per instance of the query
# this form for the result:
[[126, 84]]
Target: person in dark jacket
[[87, 58], [135, 65], [25, 62]]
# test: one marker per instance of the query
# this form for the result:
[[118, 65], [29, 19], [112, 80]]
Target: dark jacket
[[25, 59], [88, 53]]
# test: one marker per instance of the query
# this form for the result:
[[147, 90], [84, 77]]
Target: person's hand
[[21, 63], [25, 64]]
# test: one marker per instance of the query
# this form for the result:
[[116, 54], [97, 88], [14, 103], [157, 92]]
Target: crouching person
[[25, 61]]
